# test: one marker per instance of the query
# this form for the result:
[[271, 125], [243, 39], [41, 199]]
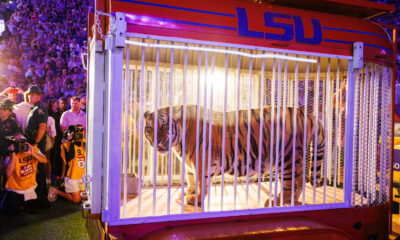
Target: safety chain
[[99, 29]]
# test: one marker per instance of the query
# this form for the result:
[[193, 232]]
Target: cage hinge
[[120, 29], [85, 207], [98, 46], [108, 42], [358, 55]]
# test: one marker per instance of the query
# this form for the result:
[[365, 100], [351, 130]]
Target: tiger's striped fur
[[217, 125]]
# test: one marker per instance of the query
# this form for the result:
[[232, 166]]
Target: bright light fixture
[[208, 49]]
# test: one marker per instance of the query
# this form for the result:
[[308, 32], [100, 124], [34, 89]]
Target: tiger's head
[[162, 129]]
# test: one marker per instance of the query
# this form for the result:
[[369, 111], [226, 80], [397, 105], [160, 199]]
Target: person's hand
[[8, 90], [11, 148], [20, 90], [30, 149]]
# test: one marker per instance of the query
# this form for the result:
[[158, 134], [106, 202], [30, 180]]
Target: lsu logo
[[291, 31], [81, 162]]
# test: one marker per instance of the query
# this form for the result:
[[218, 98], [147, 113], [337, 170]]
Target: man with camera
[[73, 154], [21, 176]]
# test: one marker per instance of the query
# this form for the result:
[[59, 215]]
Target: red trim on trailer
[[246, 23], [354, 8], [91, 22]]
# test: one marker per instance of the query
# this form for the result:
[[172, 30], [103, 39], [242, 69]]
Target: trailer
[[239, 120]]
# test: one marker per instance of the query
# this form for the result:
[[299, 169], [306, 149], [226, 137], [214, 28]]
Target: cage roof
[[239, 23]]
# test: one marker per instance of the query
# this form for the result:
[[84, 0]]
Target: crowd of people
[[42, 45], [43, 102]]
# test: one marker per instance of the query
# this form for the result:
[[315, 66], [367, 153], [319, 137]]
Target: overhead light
[[216, 50]]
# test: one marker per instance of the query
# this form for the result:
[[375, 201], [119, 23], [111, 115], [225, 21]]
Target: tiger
[[177, 132]]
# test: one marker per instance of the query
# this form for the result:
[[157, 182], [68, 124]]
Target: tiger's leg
[[191, 198], [287, 187], [190, 180], [286, 191], [287, 183], [298, 186]]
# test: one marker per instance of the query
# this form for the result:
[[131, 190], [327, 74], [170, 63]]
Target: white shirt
[[51, 124], [69, 118], [22, 111]]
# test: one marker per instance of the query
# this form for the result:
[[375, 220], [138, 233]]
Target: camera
[[74, 132], [20, 145]]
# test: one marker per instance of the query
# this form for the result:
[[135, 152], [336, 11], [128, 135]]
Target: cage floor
[[215, 199]]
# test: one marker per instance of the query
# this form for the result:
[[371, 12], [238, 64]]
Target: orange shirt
[[77, 165], [24, 174]]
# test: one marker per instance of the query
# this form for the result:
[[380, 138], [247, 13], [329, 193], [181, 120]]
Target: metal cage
[[223, 85]]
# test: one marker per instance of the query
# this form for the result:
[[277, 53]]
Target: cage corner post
[[356, 63], [95, 119], [115, 44], [95, 112]]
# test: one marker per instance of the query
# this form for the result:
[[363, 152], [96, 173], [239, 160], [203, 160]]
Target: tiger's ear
[[146, 114]]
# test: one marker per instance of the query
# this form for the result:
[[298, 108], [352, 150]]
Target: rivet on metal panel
[[358, 55], [120, 27]]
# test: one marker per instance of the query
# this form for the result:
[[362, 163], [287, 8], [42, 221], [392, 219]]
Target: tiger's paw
[[278, 201], [185, 193], [266, 204], [191, 200]]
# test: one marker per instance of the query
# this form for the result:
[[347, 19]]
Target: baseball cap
[[34, 89], [6, 104]]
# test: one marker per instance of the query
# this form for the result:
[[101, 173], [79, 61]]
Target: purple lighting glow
[[148, 21]]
